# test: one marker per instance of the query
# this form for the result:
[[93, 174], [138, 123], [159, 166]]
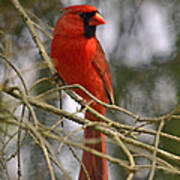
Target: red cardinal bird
[[79, 59]]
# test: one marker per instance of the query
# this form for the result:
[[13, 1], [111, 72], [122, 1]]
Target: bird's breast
[[73, 62], [72, 57]]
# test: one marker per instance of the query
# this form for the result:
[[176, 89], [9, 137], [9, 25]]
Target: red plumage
[[79, 59]]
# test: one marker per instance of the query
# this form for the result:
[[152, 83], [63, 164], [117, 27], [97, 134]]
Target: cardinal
[[79, 59]]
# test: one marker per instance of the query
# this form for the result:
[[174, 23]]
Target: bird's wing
[[101, 67]]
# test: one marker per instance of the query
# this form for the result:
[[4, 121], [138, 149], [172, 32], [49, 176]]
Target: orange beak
[[97, 19]]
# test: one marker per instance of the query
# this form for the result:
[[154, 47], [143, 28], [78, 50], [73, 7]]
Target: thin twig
[[153, 168]]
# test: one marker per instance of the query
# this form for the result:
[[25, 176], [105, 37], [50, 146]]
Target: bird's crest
[[79, 8]]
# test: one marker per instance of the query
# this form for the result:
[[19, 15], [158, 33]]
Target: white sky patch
[[152, 35], [158, 28], [71, 106], [108, 33]]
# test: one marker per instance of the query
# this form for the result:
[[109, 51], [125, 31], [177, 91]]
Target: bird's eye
[[82, 15], [87, 15], [94, 12]]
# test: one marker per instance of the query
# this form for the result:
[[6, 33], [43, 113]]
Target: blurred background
[[141, 40]]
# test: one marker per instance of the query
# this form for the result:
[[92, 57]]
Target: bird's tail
[[95, 165]]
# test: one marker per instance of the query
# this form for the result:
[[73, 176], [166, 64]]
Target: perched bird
[[79, 59]]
